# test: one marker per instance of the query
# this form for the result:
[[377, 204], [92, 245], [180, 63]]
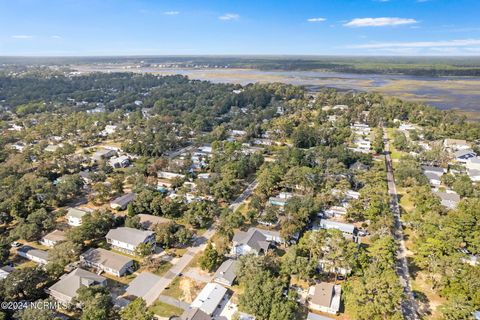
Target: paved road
[[245, 194], [409, 306], [198, 246]]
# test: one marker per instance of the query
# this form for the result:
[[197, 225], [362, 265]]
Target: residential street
[[409, 306], [198, 246]]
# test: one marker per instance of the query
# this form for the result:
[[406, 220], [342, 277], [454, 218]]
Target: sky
[[239, 27]]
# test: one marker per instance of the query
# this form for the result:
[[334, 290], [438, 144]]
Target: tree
[[144, 249], [210, 258], [375, 296], [24, 284], [96, 303], [136, 310], [463, 186], [61, 255]]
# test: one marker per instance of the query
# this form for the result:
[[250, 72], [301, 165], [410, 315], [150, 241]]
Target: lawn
[[165, 310], [174, 289]]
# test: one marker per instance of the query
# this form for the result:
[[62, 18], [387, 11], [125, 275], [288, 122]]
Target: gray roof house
[[448, 199], [66, 288], [35, 255], [104, 260], [103, 154], [462, 156], [146, 286], [195, 314], [433, 169], [433, 179], [127, 239], [226, 273], [74, 216], [314, 316], [52, 238], [252, 241], [122, 202], [5, 271]]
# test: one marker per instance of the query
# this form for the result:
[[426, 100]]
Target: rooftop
[[209, 298], [106, 258], [70, 283], [129, 235]]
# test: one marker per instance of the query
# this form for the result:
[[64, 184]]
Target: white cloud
[[316, 19], [420, 44], [22, 36], [379, 22], [229, 16], [171, 13], [55, 37]]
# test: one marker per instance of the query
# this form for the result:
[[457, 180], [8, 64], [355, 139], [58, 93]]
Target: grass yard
[[165, 310]]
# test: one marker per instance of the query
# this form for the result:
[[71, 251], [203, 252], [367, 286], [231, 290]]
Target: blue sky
[[195, 27]]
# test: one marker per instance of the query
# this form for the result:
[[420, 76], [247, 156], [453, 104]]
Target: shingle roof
[[448, 196], [227, 271], [195, 314], [41, 254], [129, 235], [313, 316], [76, 213], [142, 284], [55, 235], [323, 294], [124, 200], [253, 238], [70, 283], [106, 258]]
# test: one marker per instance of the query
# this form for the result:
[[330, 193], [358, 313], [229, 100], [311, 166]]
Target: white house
[[35, 255], [325, 297], [53, 238], [211, 296], [462, 156], [65, 289], [107, 261], [75, 215], [449, 200], [127, 239], [252, 241], [455, 144]]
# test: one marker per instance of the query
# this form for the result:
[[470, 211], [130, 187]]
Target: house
[[281, 199], [473, 164], [86, 176], [433, 179], [358, 166], [463, 156], [103, 154], [107, 261], [334, 211], [348, 230], [35, 255], [109, 129], [314, 316], [211, 296], [52, 147], [119, 162], [455, 144], [448, 199], [252, 241], [170, 175], [434, 170], [226, 273], [127, 239], [237, 133], [65, 290], [146, 286], [52, 238], [122, 202], [271, 235], [195, 314], [5, 271], [474, 174], [74, 216], [148, 221], [325, 297]]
